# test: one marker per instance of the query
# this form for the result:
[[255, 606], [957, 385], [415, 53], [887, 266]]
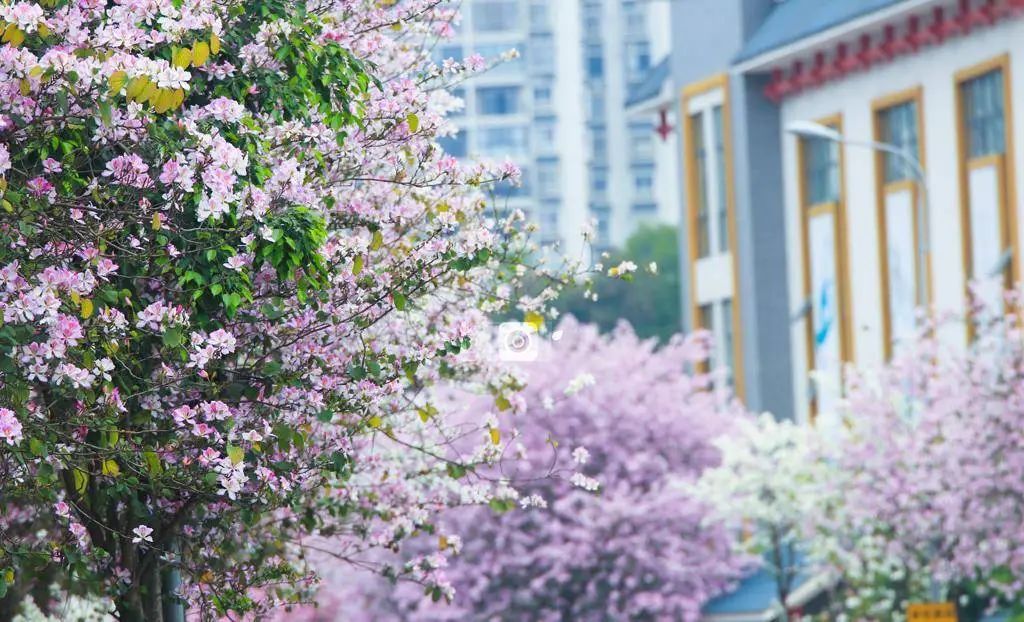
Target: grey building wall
[[761, 229], [707, 35]]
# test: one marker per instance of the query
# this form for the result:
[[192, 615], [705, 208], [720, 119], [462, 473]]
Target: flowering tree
[[231, 258], [934, 499], [773, 481], [602, 525], [917, 498]]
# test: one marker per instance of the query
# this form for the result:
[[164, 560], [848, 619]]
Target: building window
[[597, 104], [542, 96], [710, 178], [645, 209], [598, 182], [903, 278], [700, 194], [594, 61], [898, 127], [539, 19], [444, 52], [498, 100], [592, 20], [825, 276], [503, 142], [638, 59], [513, 67], [548, 178], [544, 130], [987, 187], [598, 143], [983, 114], [495, 15], [455, 145], [634, 18], [641, 142], [821, 170], [542, 55], [728, 338], [643, 181], [712, 288]]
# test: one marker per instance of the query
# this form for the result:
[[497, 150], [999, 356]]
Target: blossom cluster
[[233, 257]]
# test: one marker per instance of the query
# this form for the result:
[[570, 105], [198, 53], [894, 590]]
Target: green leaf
[[456, 471], [153, 462], [414, 122], [400, 301], [173, 337]]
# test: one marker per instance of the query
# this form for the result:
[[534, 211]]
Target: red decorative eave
[[894, 40]]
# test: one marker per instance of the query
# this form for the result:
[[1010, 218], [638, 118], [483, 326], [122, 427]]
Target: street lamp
[[810, 129]]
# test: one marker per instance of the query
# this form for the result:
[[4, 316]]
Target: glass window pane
[[983, 109], [899, 128], [498, 100], [821, 170], [701, 164], [495, 15], [728, 339], [723, 206]]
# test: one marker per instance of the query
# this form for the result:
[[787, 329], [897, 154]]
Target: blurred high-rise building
[[559, 111]]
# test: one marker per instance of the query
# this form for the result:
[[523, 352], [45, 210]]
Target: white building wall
[[933, 69]]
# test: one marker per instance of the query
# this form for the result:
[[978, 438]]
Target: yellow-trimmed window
[[826, 285], [897, 121], [711, 221], [986, 180]]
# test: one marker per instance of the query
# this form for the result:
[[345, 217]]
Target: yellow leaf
[[179, 97], [150, 93], [87, 307], [13, 35], [43, 29], [9, 577], [117, 80], [111, 468], [136, 86], [357, 265], [182, 58], [81, 480], [442, 542], [215, 44], [534, 319], [502, 403], [7, 206], [235, 454], [156, 222], [378, 240], [75, 298], [25, 87], [414, 122], [36, 71], [163, 100], [200, 52], [495, 436], [375, 422]]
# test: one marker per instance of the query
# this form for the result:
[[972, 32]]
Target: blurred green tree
[[649, 301]]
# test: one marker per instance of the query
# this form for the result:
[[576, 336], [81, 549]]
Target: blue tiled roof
[[754, 594], [651, 86], [792, 20]]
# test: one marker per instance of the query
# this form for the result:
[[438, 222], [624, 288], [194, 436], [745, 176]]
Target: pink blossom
[[10, 427]]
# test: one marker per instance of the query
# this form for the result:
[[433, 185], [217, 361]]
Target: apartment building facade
[[805, 247], [558, 111]]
